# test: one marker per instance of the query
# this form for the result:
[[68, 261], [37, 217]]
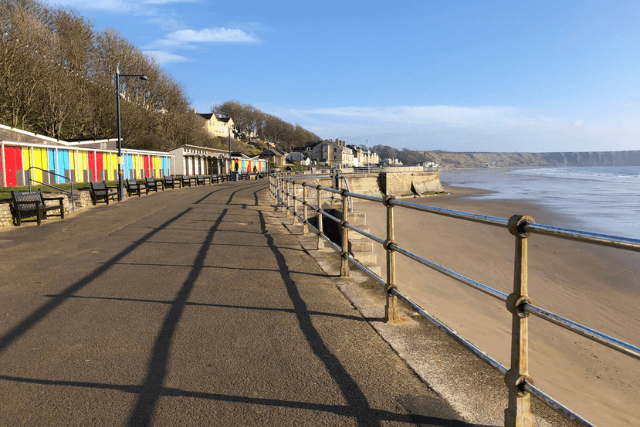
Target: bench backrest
[[185, 178], [99, 188], [150, 180], [100, 185], [168, 179], [27, 196], [132, 183]]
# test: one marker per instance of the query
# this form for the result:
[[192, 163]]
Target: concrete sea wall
[[403, 182]]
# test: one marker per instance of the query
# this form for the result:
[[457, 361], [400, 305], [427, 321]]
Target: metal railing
[[519, 383], [73, 203]]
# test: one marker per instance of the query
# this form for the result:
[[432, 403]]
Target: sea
[[597, 199]]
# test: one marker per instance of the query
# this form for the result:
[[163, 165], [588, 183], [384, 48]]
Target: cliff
[[450, 160]]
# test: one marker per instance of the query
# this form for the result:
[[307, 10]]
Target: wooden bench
[[100, 190], [214, 178], [151, 184], [202, 180], [170, 181], [29, 203], [186, 180], [133, 187]]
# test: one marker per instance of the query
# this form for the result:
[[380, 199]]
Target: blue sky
[[451, 75]]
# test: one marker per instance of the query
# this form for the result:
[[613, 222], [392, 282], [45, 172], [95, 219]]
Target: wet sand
[[595, 286]]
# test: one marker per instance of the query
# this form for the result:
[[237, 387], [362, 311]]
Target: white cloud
[[438, 114], [213, 35], [457, 128], [165, 57]]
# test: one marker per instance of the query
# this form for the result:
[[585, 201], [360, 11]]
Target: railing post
[[305, 217], [278, 193], [391, 313], [518, 413], [344, 262], [334, 186], [287, 193], [320, 228], [295, 204]]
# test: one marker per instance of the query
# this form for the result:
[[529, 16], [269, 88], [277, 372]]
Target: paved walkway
[[188, 307]]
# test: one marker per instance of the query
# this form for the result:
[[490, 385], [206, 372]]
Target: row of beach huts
[[26, 156]]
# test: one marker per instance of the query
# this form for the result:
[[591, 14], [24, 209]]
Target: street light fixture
[[120, 162]]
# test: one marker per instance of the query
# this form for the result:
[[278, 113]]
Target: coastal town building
[[313, 150], [364, 157], [215, 124], [274, 156], [391, 162], [298, 157], [334, 154]]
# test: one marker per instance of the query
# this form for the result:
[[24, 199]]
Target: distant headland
[[451, 160]]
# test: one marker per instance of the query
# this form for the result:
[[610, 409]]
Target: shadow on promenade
[[148, 393]]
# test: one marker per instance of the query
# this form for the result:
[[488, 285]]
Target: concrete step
[[357, 219], [360, 246], [366, 258], [354, 235]]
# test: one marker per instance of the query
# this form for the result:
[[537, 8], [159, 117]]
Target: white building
[[297, 156], [194, 160]]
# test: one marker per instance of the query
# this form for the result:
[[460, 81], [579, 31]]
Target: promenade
[[189, 307]]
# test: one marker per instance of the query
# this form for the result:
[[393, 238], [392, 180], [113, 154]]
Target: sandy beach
[[595, 286]]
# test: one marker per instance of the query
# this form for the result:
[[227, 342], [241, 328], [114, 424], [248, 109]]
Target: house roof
[[272, 152], [222, 118], [205, 116]]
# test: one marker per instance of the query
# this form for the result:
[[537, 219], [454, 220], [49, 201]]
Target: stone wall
[[368, 184], [406, 183], [82, 200], [400, 183]]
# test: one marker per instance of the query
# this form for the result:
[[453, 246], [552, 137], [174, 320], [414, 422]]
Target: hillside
[[482, 160], [457, 160]]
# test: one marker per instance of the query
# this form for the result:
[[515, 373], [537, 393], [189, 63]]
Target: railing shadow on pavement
[[152, 389], [520, 385]]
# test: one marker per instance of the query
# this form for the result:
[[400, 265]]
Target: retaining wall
[[403, 183], [82, 199]]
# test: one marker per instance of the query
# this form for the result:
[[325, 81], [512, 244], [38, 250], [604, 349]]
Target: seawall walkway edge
[[474, 390]]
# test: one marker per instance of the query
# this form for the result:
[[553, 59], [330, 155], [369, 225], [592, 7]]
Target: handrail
[[73, 203], [518, 302], [349, 199]]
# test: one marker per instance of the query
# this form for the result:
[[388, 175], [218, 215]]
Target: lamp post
[[120, 162]]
